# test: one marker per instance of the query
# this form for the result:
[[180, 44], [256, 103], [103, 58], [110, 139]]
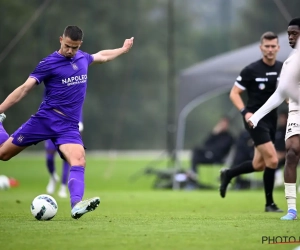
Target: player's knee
[[78, 161], [259, 166], [4, 156], [81, 162], [272, 162], [292, 155]]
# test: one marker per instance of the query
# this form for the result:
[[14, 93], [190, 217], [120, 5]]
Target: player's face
[[269, 48], [293, 34], [69, 47]]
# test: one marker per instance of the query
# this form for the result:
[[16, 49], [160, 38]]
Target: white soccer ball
[[44, 207], [4, 182]]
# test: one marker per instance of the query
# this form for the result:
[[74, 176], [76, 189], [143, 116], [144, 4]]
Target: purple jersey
[[65, 81], [81, 115]]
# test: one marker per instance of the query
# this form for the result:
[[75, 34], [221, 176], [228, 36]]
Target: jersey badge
[[261, 86], [74, 66]]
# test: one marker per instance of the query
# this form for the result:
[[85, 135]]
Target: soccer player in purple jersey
[[50, 163], [64, 74]]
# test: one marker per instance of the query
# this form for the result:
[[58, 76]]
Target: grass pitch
[[133, 216]]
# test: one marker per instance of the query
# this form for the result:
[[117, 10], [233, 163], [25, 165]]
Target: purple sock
[[76, 184], [65, 173], [3, 135], [50, 163]]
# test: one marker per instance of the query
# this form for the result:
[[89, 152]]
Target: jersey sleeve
[[88, 57], [41, 71], [244, 79]]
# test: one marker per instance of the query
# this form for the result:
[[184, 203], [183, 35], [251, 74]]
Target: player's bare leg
[[269, 154], [75, 156], [8, 150], [3, 134], [265, 158], [290, 175], [257, 164]]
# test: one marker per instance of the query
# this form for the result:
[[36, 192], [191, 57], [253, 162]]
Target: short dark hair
[[74, 33], [269, 35], [295, 21]]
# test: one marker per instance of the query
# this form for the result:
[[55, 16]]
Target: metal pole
[[188, 109], [182, 122], [171, 127]]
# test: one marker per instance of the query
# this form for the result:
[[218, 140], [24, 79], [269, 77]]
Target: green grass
[[133, 216]]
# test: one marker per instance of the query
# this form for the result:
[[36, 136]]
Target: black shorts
[[264, 132]]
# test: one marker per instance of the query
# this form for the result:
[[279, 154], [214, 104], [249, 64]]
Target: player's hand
[[247, 117], [128, 44], [250, 124]]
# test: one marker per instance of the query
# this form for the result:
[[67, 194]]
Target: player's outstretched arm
[[287, 87], [108, 55], [17, 94], [273, 102]]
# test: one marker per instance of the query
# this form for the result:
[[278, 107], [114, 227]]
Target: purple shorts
[[45, 125]]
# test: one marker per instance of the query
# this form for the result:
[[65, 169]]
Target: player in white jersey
[[287, 84]]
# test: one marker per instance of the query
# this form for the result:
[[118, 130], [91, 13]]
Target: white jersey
[[288, 86], [292, 104]]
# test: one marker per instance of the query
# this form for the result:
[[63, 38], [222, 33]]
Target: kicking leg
[[8, 150], [290, 175], [3, 134], [31, 132], [75, 156]]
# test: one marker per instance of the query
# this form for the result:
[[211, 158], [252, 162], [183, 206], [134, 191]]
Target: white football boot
[[2, 117], [84, 207]]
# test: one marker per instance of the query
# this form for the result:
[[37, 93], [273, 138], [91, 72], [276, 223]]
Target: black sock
[[269, 177], [245, 168]]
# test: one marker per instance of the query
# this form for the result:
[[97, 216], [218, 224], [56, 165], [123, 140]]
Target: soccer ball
[[44, 207], [4, 182]]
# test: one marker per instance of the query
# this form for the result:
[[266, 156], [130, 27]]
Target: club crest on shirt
[[74, 66], [20, 138], [261, 86]]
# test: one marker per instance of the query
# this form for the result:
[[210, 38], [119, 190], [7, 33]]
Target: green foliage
[[126, 104], [260, 16]]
